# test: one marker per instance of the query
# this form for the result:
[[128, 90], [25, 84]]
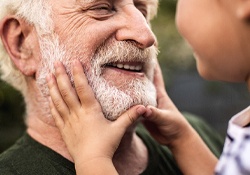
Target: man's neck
[[47, 135], [130, 156]]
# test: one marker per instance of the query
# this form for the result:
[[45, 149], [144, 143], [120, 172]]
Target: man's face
[[115, 44]]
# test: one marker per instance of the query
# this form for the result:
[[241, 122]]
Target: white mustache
[[113, 101], [122, 52]]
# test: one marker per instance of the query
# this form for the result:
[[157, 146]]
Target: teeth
[[128, 67], [132, 67], [120, 66], [138, 67]]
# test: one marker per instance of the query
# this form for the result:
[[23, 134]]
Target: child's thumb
[[131, 116], [153, 114]]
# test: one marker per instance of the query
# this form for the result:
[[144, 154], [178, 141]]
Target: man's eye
[[143, 10], [102, 9]]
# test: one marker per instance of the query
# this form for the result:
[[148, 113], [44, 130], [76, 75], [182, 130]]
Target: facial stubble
[[113, 100]]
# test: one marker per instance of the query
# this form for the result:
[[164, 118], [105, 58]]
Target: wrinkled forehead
[[146, 1]]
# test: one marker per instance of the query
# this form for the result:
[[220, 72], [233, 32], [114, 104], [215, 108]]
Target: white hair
[[36, 13], [152, 9]]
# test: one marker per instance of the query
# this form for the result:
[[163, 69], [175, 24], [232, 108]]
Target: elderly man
[[114, 42]]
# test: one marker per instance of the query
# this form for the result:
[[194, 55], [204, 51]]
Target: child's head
[[219, 33]]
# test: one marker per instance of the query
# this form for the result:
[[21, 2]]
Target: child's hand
[[78, 115], [169, 127], [165, 123]]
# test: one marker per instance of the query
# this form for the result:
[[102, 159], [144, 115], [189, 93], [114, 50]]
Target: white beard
[[112, 100]]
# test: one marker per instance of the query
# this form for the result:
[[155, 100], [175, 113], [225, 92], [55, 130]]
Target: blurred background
[[215, 102]]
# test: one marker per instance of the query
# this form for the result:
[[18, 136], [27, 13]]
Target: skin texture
[[166, 124], [77, 27], [227, 60], [76, 123], [218, 32]]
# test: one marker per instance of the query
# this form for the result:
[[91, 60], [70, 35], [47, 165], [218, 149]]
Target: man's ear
[[243, 10], [16, 35]]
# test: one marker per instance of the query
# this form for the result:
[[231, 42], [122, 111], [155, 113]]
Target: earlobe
[[14, 33]]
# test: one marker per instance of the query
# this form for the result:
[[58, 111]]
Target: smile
[[136, 67]]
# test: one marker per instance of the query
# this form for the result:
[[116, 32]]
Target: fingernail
[[141, 110], [74, 63], [57, 64], [48, 77], [148, 112]]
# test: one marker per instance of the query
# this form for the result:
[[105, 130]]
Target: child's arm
[[169, 127], [90, 138]]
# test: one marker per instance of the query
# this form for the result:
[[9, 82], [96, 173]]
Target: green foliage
[[11, 105], [11, 115], [174, 54], [167, 7]]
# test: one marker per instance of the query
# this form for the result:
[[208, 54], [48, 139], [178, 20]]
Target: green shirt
[[28, 157]]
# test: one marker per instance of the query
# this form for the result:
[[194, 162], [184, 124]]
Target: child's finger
[[153, 114], [67, 91], [57, 117], [82, 87], [158, 78], [163, 100], [130, 116], [56, 97]]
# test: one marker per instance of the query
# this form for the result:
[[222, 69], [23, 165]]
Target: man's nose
[[134, 27]]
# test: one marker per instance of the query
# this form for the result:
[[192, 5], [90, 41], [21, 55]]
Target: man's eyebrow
[[144, 1], [140, 1], [86, 1]]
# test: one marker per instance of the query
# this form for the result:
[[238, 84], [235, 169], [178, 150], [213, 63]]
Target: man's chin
[[115, 117], [115, 100]]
